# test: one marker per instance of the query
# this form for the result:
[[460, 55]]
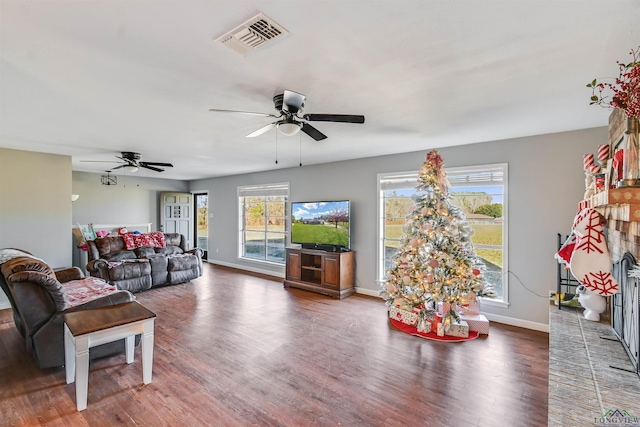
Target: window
[[202, 222], [262, 221], [480, 191]]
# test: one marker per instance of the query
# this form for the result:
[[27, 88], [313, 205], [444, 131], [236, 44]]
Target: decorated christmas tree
[[436, 262]]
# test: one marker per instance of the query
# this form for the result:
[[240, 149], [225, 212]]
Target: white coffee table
[[90, 328]]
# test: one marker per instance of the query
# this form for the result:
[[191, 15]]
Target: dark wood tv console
[[327, 273]]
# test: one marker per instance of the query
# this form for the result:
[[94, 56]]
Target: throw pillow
[[143, 240], [128, 241], [158, 238]]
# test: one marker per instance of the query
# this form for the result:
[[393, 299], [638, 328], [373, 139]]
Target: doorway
[[202, 222]]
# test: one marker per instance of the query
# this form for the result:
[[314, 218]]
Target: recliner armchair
[[39, 296]]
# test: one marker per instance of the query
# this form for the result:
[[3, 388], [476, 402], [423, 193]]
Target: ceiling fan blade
[[167, 165], [146, 166], [99, 161], [292, 101], [215, 110], [120, 167], [313, 132], [341, 118], [129, 161], [262, 130]]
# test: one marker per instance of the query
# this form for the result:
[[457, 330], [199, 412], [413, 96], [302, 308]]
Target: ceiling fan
[[132, 161], [290, 119]]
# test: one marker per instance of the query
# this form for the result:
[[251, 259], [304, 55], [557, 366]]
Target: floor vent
[[253, 34]]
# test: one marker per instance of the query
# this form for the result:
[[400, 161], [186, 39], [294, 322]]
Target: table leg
[[82, 371], [147, 351], [69, 355], [129, 348]]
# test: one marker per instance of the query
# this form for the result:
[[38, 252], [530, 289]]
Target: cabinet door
[[331, 272], [293, 265]]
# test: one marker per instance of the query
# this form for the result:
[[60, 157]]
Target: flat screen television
[[321, 225]]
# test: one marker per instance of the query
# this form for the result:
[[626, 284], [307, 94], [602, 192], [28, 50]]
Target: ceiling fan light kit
[[289, 128], [290, 120]]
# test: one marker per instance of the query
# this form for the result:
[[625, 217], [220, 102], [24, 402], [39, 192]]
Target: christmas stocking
[[564, 254], [590, 261]]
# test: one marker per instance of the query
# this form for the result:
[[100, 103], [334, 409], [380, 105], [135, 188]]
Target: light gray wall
[[546, 182], [35, 209], [133, 200], [35, 206]]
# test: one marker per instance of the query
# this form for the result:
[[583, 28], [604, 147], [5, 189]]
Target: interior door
[[176, 217]]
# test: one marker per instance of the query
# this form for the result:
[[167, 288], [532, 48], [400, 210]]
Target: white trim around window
[[492, 178], [263, 239]]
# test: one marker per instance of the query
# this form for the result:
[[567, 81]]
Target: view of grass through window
[[264, 228]]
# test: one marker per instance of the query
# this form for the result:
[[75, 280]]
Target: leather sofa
[[39, 296], [139, 268]]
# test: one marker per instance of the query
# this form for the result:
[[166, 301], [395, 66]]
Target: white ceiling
[[92, 78]]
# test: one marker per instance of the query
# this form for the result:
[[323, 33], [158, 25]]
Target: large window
[[263, 229], [480, 191]]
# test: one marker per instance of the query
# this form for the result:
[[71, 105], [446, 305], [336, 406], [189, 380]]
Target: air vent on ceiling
[[253, 34]]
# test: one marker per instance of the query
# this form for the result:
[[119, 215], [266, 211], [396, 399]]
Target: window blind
[[477, 175], [264, 190]]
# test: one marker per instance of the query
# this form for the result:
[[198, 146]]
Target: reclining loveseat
[[39, 296], [139, 262]]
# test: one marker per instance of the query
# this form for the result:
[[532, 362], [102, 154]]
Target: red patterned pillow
[[143, 240], [158, 238], [129, 241]]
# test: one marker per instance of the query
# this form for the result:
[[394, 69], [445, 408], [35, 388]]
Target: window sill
[[262, 261], [493, 302]]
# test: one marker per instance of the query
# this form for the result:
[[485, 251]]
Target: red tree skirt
[[411, 330]]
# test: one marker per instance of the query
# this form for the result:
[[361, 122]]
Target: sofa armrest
[[195, 251], [49, 284], [67, 274], [115, 298], [98, 268]]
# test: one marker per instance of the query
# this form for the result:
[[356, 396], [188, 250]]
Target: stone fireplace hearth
[[589, 371]]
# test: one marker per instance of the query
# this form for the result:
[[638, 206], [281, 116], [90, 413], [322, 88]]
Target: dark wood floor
[[233, 349]]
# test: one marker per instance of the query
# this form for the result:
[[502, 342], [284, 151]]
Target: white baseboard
[[365, 291], [527, 324], [244, 267]]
